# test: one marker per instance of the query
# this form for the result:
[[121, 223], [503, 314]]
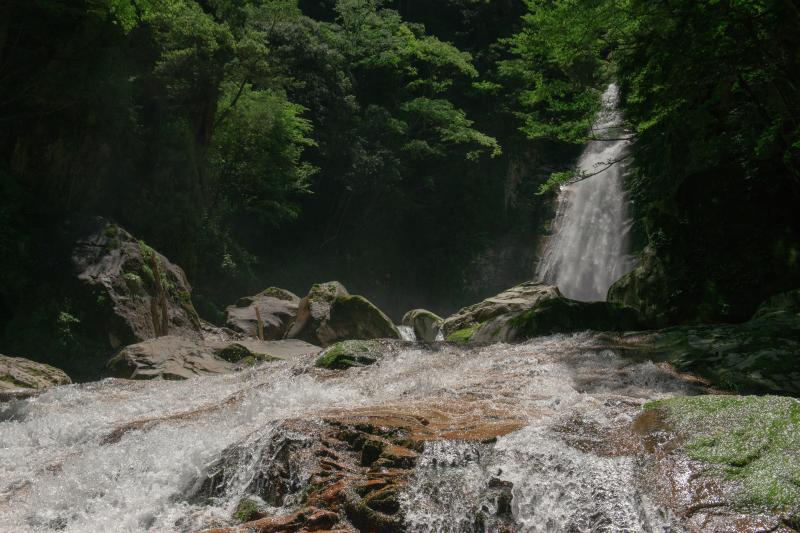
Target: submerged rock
[[329, 314], [276, 307], [534, 309], [20, 377], [426, 325]]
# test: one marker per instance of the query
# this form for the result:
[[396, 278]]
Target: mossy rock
[[426, 324], [237, 353], [247, 511], [347, 354], [463, 336], [753, 441], [562, 315]]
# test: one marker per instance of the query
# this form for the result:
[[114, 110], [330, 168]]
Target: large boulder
[[19, 376], [534, 309], [426, 325], [276, 308], [129, 292], [329, 314], [519, 298]]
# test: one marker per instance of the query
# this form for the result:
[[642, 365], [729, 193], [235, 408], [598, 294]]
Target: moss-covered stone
[[347, 354], [562, 315], [427, 325], [247, 511], [463, 336], [754, 441]]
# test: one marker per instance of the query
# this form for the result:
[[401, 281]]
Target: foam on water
[[60, 469]]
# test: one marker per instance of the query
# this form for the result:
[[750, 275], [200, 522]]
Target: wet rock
[[534, 309], [130, 292], [725, 463], [21, 377], [173, 357], [329, 314], [277, 309], [426, 325], [348, 468], [347, 354]]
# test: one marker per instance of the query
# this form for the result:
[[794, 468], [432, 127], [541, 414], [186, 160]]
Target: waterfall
[[588, 249]]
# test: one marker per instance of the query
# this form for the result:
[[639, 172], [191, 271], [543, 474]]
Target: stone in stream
[[349, 354], [20, 377], [534, 309], [175, 358], [426, 325], [276, 307], [329, 314]]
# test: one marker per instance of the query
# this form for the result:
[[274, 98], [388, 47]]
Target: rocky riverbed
[[555, 434]]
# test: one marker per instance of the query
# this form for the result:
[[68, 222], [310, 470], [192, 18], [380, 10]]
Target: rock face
[[533, 309], [329, 314], [426, 325], [18, 375], [276, 307], [130, 292]]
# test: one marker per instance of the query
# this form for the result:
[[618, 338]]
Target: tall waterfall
[[588, 249]]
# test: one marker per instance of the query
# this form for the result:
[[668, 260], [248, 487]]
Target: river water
[[589, 247], [120, 455]]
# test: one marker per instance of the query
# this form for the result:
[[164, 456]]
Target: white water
[[58, 469], [588, 250]]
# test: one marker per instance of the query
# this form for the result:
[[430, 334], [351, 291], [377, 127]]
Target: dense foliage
[[395, 145]]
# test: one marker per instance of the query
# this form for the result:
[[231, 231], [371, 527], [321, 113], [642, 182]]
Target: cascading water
[[588, 249], [133, 456]]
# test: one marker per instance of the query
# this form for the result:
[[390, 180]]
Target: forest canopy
[[395, 145]]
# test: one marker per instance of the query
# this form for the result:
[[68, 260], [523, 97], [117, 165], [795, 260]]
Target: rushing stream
[[588, 250], [122, 455]]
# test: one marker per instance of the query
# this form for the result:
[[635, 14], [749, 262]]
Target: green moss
[[347, 354], [463, 336], [146, 251], [753, 440], [233, 353], [247, 511], [134, 282], [111, 231], [147, 275]]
